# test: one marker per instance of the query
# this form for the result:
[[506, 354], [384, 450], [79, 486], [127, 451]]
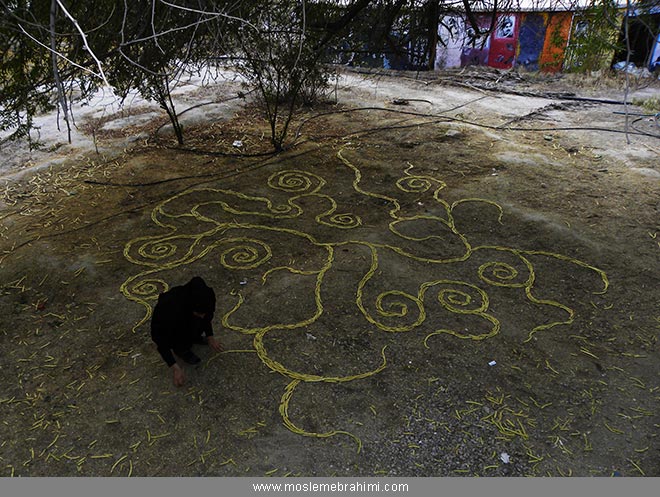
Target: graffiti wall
[[530, 40], [451, 37], [538, 41], [502, 53], [558, 28], [534, 40], [476, 43]]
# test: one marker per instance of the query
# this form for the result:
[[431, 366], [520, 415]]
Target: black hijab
[[199, 297]]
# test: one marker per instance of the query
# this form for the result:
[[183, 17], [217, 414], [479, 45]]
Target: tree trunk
[[164, 98], [61, 95], [433, 15]]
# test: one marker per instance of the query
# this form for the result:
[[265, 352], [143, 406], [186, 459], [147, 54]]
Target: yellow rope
[[284, 412], [200, 221]]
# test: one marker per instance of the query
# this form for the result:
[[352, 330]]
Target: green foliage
[[137, 45], [651, 104], [57, 48], [593, 39], [23, 76]]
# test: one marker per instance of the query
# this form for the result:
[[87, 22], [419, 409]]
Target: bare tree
[[146, 45], [276, 58]]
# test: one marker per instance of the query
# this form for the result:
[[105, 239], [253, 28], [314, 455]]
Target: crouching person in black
[[181, 318]]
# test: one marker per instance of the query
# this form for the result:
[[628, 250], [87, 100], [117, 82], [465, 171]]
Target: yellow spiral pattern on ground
[[223, 211]]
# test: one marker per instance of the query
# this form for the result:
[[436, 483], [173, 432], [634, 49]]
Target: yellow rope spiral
[[236, 230]]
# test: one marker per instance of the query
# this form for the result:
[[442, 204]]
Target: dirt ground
[[447, 275]]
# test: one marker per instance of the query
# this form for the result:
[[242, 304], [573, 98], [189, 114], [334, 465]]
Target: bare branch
[[302, 36], [62, 97], [153, 26], [84, 38], [221, 14], [58, 53], [166, 32]]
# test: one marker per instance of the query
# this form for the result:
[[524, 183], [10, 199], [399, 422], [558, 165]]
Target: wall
[[531, 39], [558, 27], [451, 38], [504, 41], [535, 40], [476, 47]]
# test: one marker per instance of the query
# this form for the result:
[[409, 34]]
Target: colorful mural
[[503, 42], [530, 40], [558, 29], [535, 40], [451, 37], [538, 41], [476, 46], [593, 41]]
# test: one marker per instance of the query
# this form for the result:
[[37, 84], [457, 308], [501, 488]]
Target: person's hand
[[214, 344], [179, 375]]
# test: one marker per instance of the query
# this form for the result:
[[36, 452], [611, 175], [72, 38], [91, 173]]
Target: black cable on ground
[[656, 121], [240, 95], [471, 123], [215, 176]]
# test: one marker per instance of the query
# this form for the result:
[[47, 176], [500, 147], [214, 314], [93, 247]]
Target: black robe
[[173, 325]]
